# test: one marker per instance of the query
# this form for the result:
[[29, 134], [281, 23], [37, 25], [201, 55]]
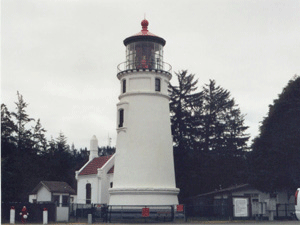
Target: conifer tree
[[209, 137], [275, 159], [184, 101], [39, 137], [24, 141]]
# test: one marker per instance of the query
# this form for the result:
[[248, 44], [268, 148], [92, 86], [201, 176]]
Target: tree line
[[210, 140], [27, 157]]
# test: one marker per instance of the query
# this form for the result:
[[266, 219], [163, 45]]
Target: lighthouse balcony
[[135, 66]]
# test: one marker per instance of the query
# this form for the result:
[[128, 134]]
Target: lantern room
[[144, 50]]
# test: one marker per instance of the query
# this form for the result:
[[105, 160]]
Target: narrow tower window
[[121, 117], [88, 193], [124, 86], [157, 84]]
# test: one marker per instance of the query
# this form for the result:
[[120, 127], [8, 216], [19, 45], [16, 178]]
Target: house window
[[124, 86], [121, 117], [157, 84], [88, 193], [56, 200], [111, 184], [65, 200]]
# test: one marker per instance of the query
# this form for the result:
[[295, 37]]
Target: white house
[[95, 177], [54, 191]]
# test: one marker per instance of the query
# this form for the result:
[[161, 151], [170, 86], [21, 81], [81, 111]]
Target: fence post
[[12, 215], [172, 213], [45, 216], [90, 219]]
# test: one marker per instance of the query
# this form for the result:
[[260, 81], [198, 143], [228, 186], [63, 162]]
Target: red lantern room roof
[[144, 35]]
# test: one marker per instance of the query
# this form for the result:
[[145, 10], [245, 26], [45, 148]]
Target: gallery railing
[[144, 65]]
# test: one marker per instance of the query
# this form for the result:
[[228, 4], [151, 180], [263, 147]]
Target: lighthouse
[[144, 165]]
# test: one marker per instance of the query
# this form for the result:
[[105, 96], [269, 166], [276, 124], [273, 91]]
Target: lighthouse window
[[144, 55], [157, 84], [124, 86], [121, 117], [88, 193]]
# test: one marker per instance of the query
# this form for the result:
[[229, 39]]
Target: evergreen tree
[[39, 137], [9, 173], [275, 159], [223, 125], [21, 165], [209, 137], [8, 128], [220, 160], [106, 150], [24, 142], [183, 103]]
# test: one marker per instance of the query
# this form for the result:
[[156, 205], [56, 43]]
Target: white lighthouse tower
[[144, 165]]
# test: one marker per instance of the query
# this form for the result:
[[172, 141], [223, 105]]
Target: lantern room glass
[[144, 55]]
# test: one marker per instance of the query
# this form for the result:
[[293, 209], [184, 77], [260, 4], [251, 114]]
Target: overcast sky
[[62, 56]]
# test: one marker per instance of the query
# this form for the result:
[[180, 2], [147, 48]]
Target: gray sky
[[62, 56]]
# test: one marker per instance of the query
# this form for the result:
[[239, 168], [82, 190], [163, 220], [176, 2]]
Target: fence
[[285, 211], [80, 212], [141, 214], [133, 214]]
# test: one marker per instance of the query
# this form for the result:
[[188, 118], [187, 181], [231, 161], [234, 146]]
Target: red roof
[[96, 163], [144, 35]]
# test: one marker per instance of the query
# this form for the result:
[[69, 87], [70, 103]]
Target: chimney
[[93, 148]]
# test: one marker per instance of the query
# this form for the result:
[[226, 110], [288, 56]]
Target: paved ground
[[192, 223]]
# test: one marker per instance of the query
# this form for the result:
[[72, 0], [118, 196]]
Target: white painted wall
[[43, 195], [62, 214], [31, 198], [144, 166], [99, 182]]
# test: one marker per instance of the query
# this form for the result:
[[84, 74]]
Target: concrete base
[[143, 196]]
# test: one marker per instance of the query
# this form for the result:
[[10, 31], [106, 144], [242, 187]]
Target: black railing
[[141, 214], [144, 65]]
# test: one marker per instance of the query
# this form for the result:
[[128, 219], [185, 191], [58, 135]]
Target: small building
[[95, 177], [61, 193], [241, 201]]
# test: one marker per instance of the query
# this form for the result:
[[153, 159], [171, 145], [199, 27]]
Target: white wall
[[99, 182], [43, 195], [82, 181], [144, 165], [62, 214], [31, 198]]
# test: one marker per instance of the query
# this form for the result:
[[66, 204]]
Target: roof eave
[[136, 38]]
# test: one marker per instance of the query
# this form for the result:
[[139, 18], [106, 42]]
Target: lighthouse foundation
[[143, 196]]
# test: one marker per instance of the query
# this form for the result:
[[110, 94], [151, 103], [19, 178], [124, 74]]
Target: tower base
[[143, 196]]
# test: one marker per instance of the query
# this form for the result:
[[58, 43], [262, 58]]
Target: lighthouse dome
[[144, 35]]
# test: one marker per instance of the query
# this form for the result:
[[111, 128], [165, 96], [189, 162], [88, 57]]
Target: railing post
[[12, 215], [45, 216]]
